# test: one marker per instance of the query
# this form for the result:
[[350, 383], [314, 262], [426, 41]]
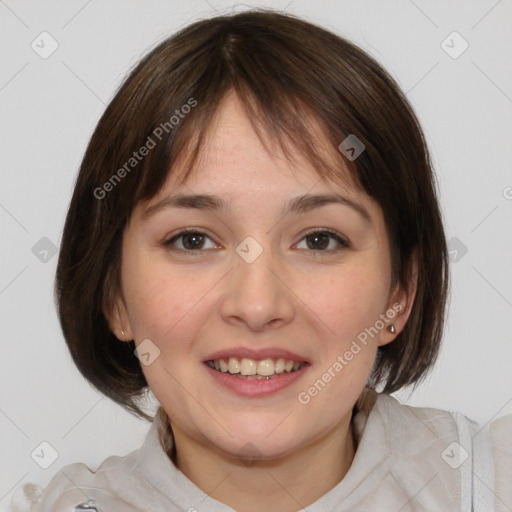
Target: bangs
[[284, 124]]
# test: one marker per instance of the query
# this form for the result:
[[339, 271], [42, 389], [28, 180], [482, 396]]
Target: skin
[[314, 304]]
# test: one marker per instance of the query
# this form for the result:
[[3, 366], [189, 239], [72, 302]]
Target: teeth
[[256, 369], [233, 366], [247, 367], [266, 367]]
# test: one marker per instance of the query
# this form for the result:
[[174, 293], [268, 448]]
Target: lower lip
[[256, 387]]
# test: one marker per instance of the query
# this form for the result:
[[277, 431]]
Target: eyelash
[[343, 243]]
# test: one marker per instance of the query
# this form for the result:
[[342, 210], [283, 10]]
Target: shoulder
[[416, 429], [59, 495], [119, 483], [407, 418], [473, 459], [500, 434], [76, 484]]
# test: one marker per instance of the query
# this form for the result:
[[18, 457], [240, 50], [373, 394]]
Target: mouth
[[253, 369]]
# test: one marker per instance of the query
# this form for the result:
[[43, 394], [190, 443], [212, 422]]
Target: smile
[[246, 368], [255, 378]]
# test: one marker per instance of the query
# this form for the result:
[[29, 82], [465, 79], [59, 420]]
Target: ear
[[118, 320], [400, 302]]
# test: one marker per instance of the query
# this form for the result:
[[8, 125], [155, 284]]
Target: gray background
[[49, 108]]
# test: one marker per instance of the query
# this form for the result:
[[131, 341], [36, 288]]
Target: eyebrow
[[300, 204]]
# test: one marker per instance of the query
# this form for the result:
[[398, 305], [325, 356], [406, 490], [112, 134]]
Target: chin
[[250, 451], [259, 440]]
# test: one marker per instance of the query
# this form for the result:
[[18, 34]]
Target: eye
[[193, 241], [319, 240], [189, 240]]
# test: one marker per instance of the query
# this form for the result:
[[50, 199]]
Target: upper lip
[[257, 354]]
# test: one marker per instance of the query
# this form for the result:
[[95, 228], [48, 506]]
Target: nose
[[257, 295]]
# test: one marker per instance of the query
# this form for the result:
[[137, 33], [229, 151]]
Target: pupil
[[316, 237], [195, 236]]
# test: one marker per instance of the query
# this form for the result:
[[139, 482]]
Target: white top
[[407, 459]]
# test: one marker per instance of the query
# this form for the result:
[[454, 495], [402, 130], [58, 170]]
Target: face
[[260, 281]]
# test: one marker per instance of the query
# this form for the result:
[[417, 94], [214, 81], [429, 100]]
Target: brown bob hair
[[286, 71]]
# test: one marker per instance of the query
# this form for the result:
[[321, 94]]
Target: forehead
[[235, 158]]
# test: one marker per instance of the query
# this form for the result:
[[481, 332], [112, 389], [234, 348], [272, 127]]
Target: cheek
[[163, 308], [347, 299], [353, 304], [356, 296], [160, 296]]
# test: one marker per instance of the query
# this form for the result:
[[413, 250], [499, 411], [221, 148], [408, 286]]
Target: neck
[[279, 484]]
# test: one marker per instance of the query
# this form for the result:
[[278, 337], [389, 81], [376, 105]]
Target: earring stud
[[391, 328], [122, 332]]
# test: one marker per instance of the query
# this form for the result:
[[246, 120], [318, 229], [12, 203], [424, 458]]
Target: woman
[[255, 236]]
